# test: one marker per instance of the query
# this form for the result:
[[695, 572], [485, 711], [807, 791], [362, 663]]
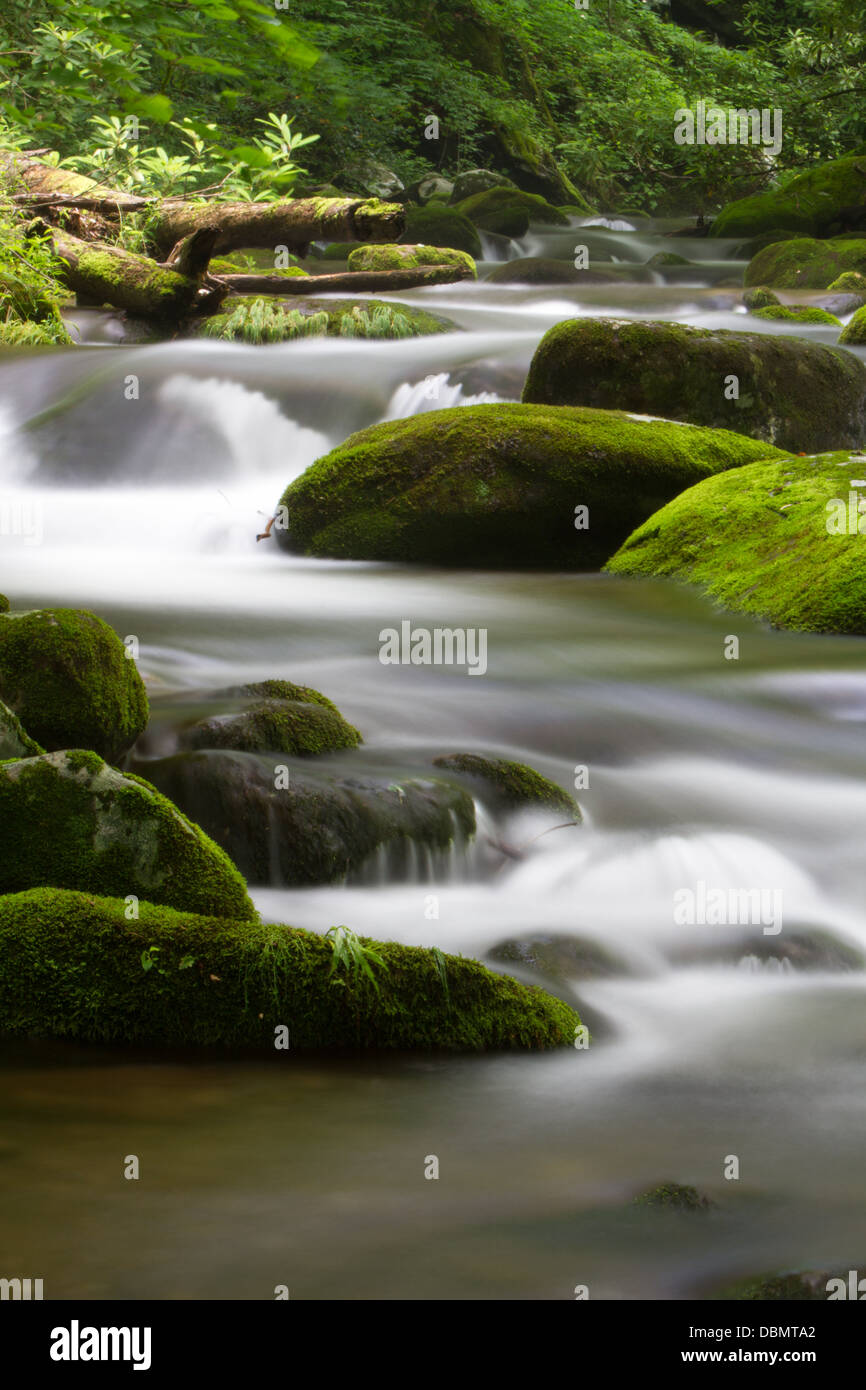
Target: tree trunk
[[39, 186], [107, 275], [351, 280], [293, 222]]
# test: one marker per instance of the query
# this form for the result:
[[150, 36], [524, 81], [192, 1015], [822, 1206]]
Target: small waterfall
[[436, 392]]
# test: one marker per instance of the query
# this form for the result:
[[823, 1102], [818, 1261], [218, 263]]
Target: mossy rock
[[558, 957], [318, 827], [671, 258], [809, 314], [435, 225], [672, 1196], [473, 181], [71, 821], [15, 742], [854, 332], [828, 198], [280, 726], [510, 786], [245, 265], [758, 542], [509, 212], [542, 270], [850, 282], [410, 258], [497, 486], [280, 690], [280, 320], [65, 673], [795, 394], [760, 298], [805, 264], [73, 966]]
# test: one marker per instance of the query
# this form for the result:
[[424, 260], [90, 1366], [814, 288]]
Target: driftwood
[[351, 280], [293, 222], [105, 274]]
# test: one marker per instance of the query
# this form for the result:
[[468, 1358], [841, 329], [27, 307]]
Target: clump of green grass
[[353, 957], [260, 321]]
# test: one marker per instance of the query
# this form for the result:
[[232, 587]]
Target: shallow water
[[311, 1172]]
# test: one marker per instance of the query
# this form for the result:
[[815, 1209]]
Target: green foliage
[[353, 958], [30, 289], [261, 321]]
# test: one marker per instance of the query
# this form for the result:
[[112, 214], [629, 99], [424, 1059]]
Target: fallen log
[[105, 274], [35, 186], [292, 222], [351, 280]]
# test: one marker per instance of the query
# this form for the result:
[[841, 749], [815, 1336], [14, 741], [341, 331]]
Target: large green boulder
[[795, 394], [437, 225], [499, 486], [396, 257], [509, 212], [73, 966], [779, 540], [67, 676], [15, 742], [806, 264], [829, 198], [71, 821]]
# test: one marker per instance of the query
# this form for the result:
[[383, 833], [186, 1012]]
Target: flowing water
[[709, 1041]]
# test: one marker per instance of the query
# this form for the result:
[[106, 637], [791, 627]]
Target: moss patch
[[396, 257], [71, 967], [283, 726], [805, 264], [757, 541], [66, 675], [508, 211], [255, 320], [674, 1196], [436, 225], [15, 742], [71, 821], [829, 198], [854, 332], [497, 485], [508, 785], [798, 395], [850, 282], [808, 314], [760, 298]]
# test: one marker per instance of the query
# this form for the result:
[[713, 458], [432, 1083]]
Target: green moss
[[241, 264], [71, 967], [850, 282], [543, 270], [760, 298], [395, 257], [15, 742], [829, 198], [282, 726], [508, 211], [66, 675], [4, 604], [797, 315], [750, 248], [757, 541], [511, 786], [71, 821], [795, 394], [435, 225], [805, 264], [497, 485], [854, 332], [284, 690]]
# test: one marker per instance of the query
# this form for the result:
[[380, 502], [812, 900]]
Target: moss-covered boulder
[[71, 821], [499, 486], [854, 332], [280, 726], [509, 212], [805, 264], [760, 298], [667, 258], [15, 742], [829, 198], [73, 966], [304, 826], [473, 181], [779, 540], [543, 270], [801, 314], [798, 395], [399, 257], [437, 225], [850, 282], [508, 786], [66, 674], [255, 320], [750, 248], [674, 1196]]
